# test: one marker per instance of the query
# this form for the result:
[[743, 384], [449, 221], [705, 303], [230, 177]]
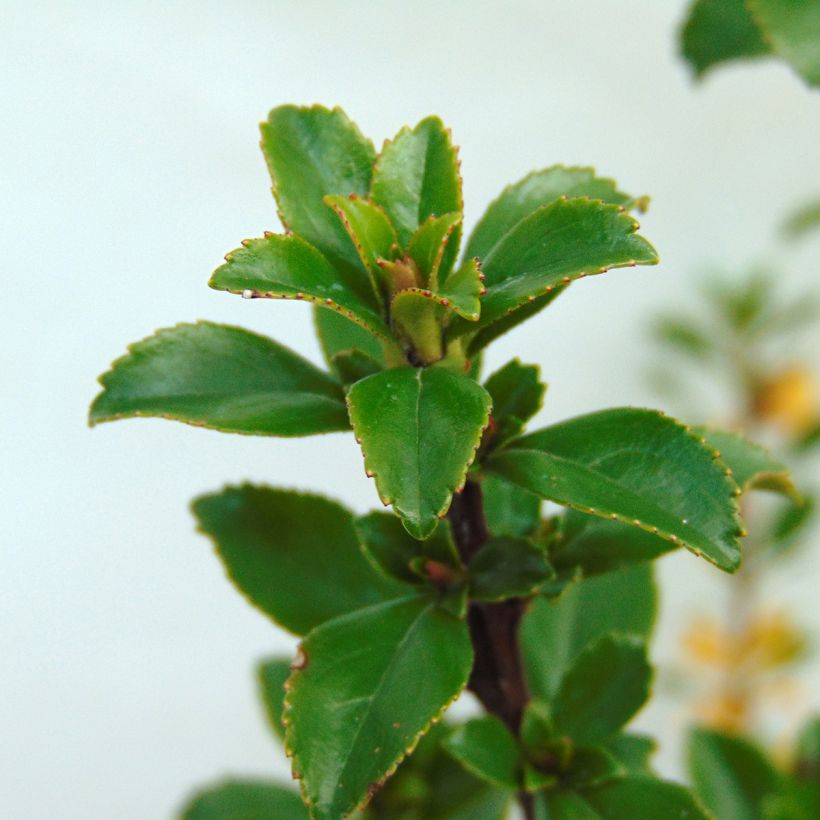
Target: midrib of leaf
[[384, 676]]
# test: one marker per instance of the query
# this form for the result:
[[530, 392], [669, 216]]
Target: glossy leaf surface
[[509, 510], [555, 245], [416, 177], [224, 378], [554, 632], [535, 190], [516, 390], [271, 675], [312, 152], [245, 800], [370, 683], [287, 267], [419, 428], [605, 686], [635, 466], [295, 557], [507, 568], [486, 748]]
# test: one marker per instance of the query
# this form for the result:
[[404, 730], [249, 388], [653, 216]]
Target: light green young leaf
[[224, 378], [793, 29], [245, 800], [294, 556], [731, 775], [509, 510], [635, 466], [271, 676], [507, 568], [417, 176], [552, 247], [431, 249], [419, 429], [462, 290], [554, 632], [392, 549], [485, 747], [535, 190], [312, 152], [720, 30], [602, 689], [358, 703], [287, 267]]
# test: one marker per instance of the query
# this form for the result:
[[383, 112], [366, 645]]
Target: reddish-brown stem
[[497, 678]]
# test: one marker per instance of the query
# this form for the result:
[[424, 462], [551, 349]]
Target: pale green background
[[130, 166]]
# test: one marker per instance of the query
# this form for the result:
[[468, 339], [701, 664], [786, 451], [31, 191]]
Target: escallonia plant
[[543, 614]]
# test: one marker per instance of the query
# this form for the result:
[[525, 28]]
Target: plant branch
[[497, 678]]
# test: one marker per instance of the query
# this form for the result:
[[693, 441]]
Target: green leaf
[[462, 290], [517, 395], [731, 775], [417, 176], [593, 766], [486, 748], [295, 557], [287, 267], [507, 568], [793, 29], [535, 190], [358, 703], [419, 429], [806, 767], [417, 317], [391, 549], [789, 525], [633, 751], [553, 633], [431, 784], [636, 466], [245, 800], [720, 30], [509, 510], [430, 247], [312, 152], [555, 245], [370, 231], [563, 805], [353, 366], [753, 467], [338, 335], [641, 796], [605, 686], [271, 675], [224, 378]]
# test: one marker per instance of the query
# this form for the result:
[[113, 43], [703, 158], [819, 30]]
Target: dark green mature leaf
[[486, 748], [224, 378], [555, 245], [753, 467], [793, 29], [635, 466], [245, 800], [370, 231], [731, 775], [509, 510], [431, 249], [516, 390], [353, 366], [337, 335], [287, 267], [419, 429], [392, 549], [312, 152], [538, 188], [553, 633], [431, 784], [720, 30], [641, 796], [634, 752], [417, 176], [605, 686], [507, 568], [357, 703], [593, 766], [296, 557], [271, 676]]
